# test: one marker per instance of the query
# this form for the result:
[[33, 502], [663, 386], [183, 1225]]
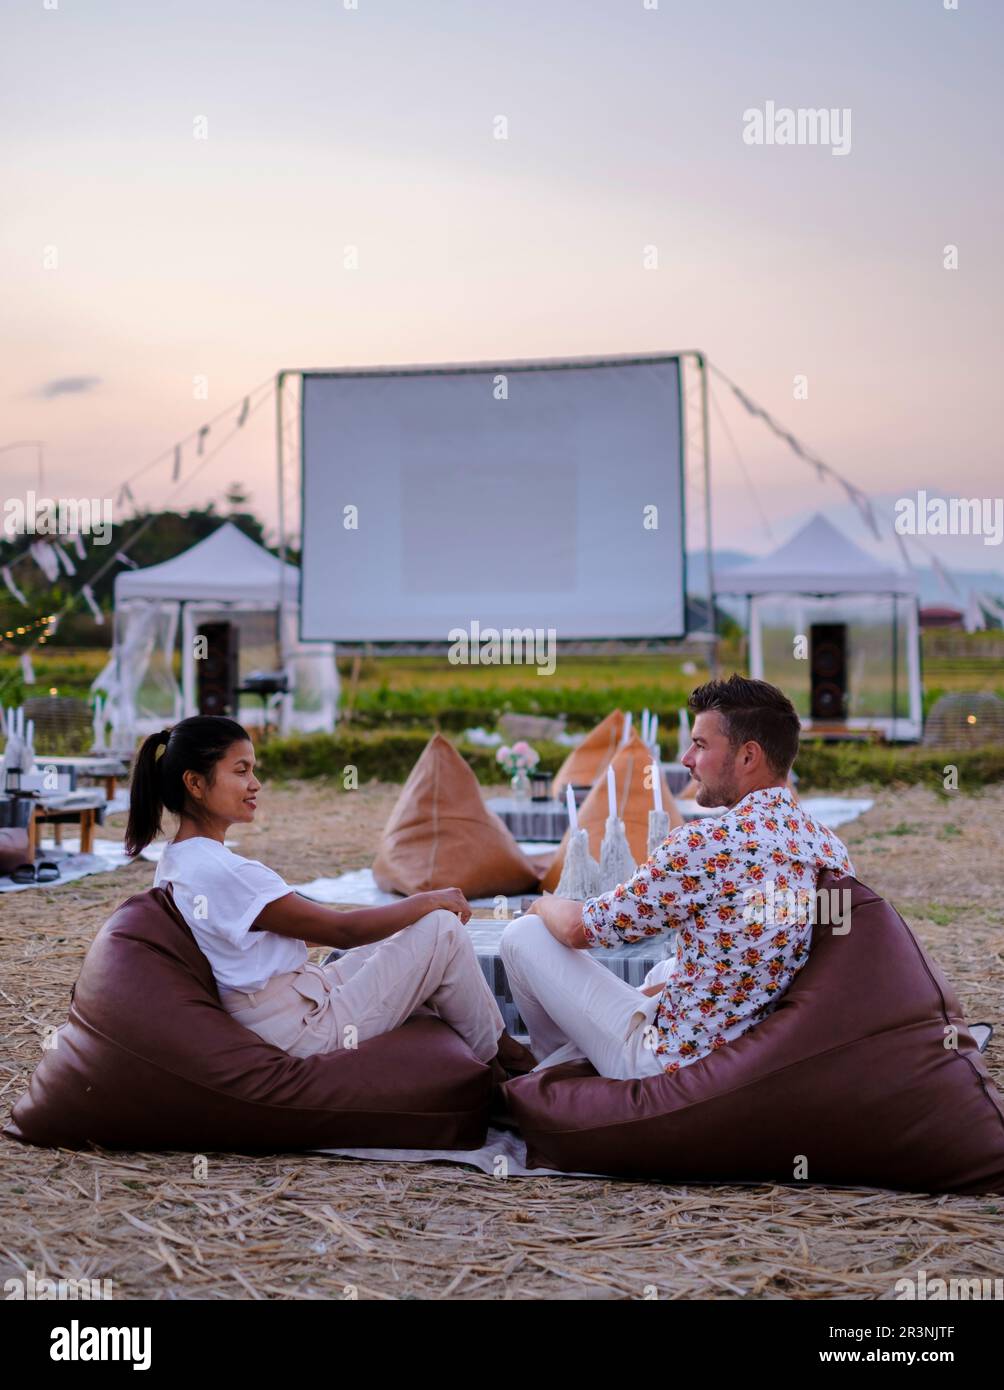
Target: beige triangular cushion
[[634, 801], [587, 763], [442, 835]]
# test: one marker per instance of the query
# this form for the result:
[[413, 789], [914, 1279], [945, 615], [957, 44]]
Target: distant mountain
[[933, 590]]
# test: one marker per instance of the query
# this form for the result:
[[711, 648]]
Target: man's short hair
[[753, 711]]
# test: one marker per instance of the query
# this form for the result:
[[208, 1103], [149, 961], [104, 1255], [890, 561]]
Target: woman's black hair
[[197, 745]]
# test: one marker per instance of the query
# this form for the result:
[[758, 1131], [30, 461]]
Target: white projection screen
[[518, 495]]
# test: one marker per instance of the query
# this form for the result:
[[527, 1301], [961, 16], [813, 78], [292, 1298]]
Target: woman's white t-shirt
[[220, 894]]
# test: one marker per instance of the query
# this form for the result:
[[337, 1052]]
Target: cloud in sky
[[67, 386]]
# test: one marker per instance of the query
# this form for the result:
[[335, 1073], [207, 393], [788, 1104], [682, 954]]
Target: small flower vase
[[520, 784]]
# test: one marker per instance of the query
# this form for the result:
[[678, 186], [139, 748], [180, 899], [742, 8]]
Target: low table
[[628, 963], [548, 820], [57, 811], [102, 769]]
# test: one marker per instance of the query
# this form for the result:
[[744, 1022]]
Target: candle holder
[[658, 830]]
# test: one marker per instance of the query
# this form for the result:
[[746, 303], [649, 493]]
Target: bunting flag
[[126, 560], [88, 594], [125, 494], [15, 591], [27, 673], [176, 470], [78, 545], [863, 505], [64, 559], [45, 558], [821, 468], [245, 411], [202, 439]]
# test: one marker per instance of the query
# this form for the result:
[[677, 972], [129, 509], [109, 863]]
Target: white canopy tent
[[819, 576], [226, 577]]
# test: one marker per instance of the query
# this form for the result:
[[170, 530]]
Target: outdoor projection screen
[[526, 495]]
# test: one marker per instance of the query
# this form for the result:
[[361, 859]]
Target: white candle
[[627, 728], [653, 729], [611, 792], [573, 815], [644, 726], [657, 786], [31, 733]]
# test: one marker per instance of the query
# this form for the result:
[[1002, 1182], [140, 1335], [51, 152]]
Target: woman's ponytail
[[195, 744], [146, 797]]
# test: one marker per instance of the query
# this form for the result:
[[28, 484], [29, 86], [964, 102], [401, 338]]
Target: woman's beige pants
[[429, 967]]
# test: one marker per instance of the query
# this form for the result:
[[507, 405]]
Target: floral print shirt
[[740, 888]]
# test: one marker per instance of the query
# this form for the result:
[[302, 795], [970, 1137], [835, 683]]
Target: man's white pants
[[576, 1007]]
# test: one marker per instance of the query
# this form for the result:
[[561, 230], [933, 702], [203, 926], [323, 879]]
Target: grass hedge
[[389, 755]]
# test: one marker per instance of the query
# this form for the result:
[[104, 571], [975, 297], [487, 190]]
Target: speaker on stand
[[216, 672], [828, 671]]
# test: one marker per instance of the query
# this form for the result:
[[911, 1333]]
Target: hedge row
[[390, 755], [460, 707]]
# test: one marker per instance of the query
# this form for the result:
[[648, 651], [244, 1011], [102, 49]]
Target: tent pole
[[705, 451], [895, 667], [706, 447], [282, 513]]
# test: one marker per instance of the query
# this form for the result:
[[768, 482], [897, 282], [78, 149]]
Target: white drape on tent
[[226, 577]]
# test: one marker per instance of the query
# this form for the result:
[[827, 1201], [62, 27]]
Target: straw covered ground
[[307, 1227]]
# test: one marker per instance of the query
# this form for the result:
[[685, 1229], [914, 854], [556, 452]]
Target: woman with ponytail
[[408, 957]]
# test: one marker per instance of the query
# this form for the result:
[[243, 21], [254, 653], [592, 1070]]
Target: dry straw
[[309, 1227]]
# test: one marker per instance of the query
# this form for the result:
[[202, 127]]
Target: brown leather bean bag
[[150, 1059], [587, 762], [850, 1071], [13, 849], [441, 834], [634, 802]]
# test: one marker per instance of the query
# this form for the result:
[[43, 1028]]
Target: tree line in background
[[165, 534]]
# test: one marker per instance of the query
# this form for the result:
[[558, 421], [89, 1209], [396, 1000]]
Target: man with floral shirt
[[739, 889]]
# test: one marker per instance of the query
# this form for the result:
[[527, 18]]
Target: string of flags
[[8, 579], [51, 556], [823, 470]]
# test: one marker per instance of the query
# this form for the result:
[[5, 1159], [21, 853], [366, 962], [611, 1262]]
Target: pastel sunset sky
[[179, 257]]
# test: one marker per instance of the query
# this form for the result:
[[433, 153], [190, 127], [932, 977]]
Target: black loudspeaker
[[216, 672], [828, 662]]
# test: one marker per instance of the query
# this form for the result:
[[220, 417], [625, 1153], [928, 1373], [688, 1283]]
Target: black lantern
[[540, 786]]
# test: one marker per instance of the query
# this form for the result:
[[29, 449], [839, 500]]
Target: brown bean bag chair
[[588, 762], [13, 849], [442, 835], [150, 1059], [634, 801], [850, 1071]]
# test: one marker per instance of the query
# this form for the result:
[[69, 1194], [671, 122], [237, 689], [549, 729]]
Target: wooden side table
[[58, 815]]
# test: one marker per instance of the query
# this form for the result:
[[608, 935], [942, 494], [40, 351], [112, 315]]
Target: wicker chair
[[61, 720], [963, 720]]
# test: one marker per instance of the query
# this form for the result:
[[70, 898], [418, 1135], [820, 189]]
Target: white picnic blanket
[[107, 856], [502, 1155]]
